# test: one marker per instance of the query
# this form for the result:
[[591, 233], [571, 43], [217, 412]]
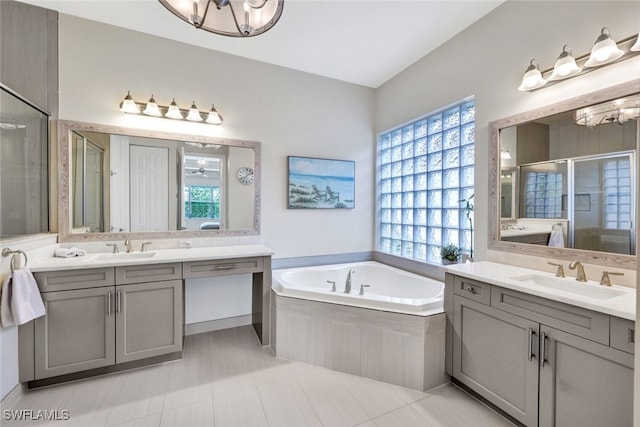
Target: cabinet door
[[77, 333], [583, 383], [495, 355], [148, 319]]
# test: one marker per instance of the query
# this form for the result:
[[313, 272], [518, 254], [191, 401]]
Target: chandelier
[[233, 18], [617, 111]]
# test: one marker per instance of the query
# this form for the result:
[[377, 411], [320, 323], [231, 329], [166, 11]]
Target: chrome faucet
[[143, 247], [127, 243], [580, 275], [115, 247], [347, 283]]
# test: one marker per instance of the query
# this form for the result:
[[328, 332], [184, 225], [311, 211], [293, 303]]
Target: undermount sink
[[124, 256], [568, 284]]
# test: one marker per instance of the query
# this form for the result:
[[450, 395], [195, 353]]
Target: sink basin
[[570, 285], [124, 256]]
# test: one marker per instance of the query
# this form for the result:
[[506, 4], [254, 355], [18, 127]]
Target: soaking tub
[[394, 332], [385, 288]]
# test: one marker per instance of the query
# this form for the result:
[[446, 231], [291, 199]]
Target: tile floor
[[227, 379]]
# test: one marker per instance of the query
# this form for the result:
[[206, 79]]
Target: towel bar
[[6, 252]]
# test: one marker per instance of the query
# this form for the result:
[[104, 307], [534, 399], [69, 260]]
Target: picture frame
[[316, 183]]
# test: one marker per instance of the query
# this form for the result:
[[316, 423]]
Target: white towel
[[556, 239], [21, 301], [65, 252], [69, 252]]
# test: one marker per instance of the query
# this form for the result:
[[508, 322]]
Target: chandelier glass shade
[[233, 18]]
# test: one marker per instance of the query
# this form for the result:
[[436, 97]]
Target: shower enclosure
[[88, 184], [596, 194]]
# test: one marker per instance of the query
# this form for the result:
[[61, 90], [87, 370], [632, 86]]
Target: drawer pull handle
[[530, 351], [471, 289], [543, 350], [225, 267], [632, 336]]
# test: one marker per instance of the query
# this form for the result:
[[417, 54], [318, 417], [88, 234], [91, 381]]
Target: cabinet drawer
[[222, 267], [568, 318], [51, 281], [472, 289], [623, 334], [148, 273]]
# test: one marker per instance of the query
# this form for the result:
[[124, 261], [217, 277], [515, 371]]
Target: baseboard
[[216, 325], [12, 397]]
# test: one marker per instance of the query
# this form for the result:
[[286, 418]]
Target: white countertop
[[623, 306], [523, 232], [97, 260]]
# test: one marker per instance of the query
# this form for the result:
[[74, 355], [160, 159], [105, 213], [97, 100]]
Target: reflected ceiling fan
[[202, 171]]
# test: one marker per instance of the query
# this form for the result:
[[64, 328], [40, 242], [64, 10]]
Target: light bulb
[[174, 112], [604, 50], [532, 78], [128, 105], [214, 118], [565, 65], [194, 114], [152, 108]]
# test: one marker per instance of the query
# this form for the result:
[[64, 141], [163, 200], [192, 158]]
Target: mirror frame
[[628, 262], [64, 178]]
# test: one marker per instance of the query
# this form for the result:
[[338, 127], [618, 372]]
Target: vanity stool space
[[543, 362], [102, 319]]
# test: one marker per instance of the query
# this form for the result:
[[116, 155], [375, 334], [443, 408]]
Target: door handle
[[119, 302], [543, 349], [109, 304], [530, 351]]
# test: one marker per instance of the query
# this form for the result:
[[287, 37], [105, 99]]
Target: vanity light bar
[[173, 111], [605, 51]]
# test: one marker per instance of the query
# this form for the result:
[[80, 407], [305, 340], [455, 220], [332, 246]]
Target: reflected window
[[24, 167], [617, 193], [202, 202], [543, 195]]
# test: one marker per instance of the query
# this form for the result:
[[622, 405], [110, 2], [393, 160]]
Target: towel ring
[[6, 252]]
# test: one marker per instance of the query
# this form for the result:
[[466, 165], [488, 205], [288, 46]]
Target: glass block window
[[543, 195], [425, 168], [201, 202], [617, 193]]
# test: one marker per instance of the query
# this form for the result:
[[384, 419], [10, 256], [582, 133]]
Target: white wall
[[488, 60], [289, 112]]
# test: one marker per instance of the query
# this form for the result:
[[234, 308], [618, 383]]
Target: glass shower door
[[604, 204]]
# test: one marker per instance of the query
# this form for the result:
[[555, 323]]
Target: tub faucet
[[347, 283], [580, 275]]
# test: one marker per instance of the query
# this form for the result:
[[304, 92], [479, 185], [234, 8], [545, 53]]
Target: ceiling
[[365, 42]]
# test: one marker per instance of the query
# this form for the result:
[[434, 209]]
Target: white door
[[149, 188]]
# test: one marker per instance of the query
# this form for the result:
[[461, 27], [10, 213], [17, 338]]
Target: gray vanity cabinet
[[543, 362], [78, 332], [583, 383], [96, 318], [491, 355], [148, 320]]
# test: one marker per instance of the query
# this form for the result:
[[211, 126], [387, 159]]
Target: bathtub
[[389, 288]]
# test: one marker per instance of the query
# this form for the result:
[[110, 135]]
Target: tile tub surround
[[396, 348], [623, 306]]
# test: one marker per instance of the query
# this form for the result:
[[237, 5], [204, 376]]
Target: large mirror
[[117, 183], [563, 179]]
